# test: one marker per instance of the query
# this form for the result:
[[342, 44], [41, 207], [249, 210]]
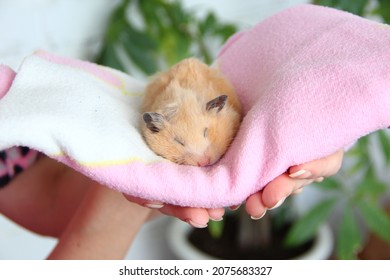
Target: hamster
[[190, 113]]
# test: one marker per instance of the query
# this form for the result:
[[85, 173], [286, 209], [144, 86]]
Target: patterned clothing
[[13, 161]]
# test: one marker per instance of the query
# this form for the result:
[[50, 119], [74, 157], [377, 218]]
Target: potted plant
[[146, 36], [239, 237], [355, 192]]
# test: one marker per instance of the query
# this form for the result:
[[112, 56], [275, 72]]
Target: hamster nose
[[204, 161]]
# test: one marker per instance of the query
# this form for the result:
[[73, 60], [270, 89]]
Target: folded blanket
[[311, 80]]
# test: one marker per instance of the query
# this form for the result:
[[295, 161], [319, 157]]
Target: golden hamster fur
[[190, 114]]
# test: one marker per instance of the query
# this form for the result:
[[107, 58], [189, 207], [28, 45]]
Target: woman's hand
[[292, 182], [196, 217], [272, 196]]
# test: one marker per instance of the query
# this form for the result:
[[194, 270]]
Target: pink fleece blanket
[[311, 79]]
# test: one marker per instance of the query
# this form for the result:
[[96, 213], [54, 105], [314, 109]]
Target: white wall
[[67, 27]]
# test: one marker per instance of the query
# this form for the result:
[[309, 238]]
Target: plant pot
[[178, 232]]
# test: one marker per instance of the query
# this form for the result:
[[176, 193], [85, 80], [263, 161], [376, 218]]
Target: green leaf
[[208, 24], [141, 57], [226, 30], [140, 39], [370, 187], [355, 151], [307, 226], [328, 3], [384, 10], [363, 142], [356, 7], [349, 239], [175, 47], [116, 22], [385, 145], [183, 48], [215, 228], [177, 14], [376, 219], [357, 167], [169, 34], [154, 20], [330, 184], [109, 58]]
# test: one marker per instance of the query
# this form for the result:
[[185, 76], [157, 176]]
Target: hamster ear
[[154, 121], [170, 111], [218, 103]]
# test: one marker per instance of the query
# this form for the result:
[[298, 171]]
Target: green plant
[[357, 189], [366, 8], [152, 35], [355, 192]]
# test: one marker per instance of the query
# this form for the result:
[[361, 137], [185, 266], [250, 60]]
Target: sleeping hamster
[[190, 114]]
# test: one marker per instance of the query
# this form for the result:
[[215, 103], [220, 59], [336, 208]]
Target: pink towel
[[312, 80], [6, 78]]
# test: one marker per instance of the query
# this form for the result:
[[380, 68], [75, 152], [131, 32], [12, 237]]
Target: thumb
[[324, 167]]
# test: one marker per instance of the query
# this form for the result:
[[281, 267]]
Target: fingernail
[[154, 205], [216, 220], [196, 225], [234, 208], [319, 180], [280, 202], [298, 191], [302, 174], [258, 218]]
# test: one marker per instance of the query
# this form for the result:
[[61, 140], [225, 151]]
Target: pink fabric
[[312, 80], [7, 75]]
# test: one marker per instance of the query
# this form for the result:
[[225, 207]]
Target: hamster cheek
[[216, 147], [214, 156], [174, 153], [189, 161]]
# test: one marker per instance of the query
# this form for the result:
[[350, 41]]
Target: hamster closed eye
[[190, 114]]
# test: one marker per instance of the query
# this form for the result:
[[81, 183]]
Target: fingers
[[196, 217], [144, 202], [276, 191], [272, 196], [255, 207], [316, 169], [216, 214], [292, 182]]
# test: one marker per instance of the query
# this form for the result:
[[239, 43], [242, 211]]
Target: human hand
[[90, 221], [196, 217], [292, 182], [45, 197], [272, 196]]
